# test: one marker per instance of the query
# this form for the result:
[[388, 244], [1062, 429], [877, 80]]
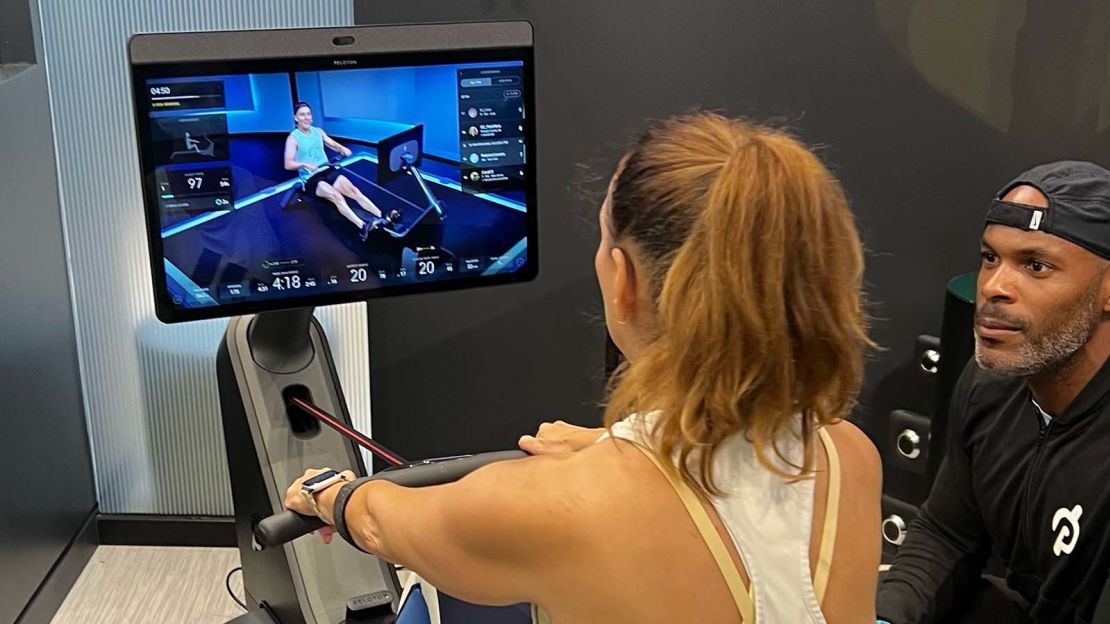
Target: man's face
[[1040, 297]]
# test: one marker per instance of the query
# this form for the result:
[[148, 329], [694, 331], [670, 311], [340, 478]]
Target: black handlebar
[[284, 527], [287, 526]]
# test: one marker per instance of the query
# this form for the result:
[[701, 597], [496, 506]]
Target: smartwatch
[[314, 485]]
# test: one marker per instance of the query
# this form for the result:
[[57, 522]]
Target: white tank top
[[769, 519]]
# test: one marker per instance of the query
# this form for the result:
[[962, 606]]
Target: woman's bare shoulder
[[858, 454]]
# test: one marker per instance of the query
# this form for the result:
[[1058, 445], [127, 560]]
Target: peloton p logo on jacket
[[1068, 533]]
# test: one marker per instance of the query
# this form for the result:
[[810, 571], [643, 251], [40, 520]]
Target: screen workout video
[[296, 183]]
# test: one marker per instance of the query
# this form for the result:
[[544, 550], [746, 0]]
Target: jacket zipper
[[1045, 430]]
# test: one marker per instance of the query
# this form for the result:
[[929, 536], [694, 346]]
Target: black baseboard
[[55, 587], [151, 530]]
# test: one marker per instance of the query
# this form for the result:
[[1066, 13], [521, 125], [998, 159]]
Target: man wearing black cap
[[1026, 475]]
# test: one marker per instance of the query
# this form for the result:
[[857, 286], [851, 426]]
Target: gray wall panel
[[150, 388], [47, 488]]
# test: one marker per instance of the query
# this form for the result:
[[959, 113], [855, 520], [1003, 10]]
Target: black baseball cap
[[1078, 204]]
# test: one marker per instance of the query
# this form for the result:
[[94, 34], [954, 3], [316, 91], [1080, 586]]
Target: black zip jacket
[[1036, 496]]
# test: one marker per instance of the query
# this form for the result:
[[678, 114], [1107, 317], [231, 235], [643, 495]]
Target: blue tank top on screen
[[310, 149]]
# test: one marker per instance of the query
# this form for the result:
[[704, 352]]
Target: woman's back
[[730, 270], [657, 567]]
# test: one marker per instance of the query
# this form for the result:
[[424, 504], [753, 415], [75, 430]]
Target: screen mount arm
[[280, 341]]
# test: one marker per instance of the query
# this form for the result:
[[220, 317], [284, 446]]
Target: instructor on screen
[[304, 153]]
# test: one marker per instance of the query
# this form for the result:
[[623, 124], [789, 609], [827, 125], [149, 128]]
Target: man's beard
[[1047, 351]]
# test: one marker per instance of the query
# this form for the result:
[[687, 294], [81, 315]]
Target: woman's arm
[[334, 145], [493, 537], [291, 162]]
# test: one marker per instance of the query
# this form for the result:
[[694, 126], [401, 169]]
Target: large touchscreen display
[[283, 183]]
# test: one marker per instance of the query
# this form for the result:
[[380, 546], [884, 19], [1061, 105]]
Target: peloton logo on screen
[[344, 62], [1069, 533]]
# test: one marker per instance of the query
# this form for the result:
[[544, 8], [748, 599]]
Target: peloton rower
[[277, 378]]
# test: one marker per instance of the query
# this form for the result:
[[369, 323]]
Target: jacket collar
[[1092, 396]]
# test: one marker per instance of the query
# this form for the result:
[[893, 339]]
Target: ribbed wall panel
[[150, 389], [345, 326]]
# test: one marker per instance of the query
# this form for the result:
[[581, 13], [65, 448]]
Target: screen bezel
[[168, 312]]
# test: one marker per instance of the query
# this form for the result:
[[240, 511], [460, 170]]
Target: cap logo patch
[[1035, 222]]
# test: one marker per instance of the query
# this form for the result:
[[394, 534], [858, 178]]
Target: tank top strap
[[741, 593], [832, 510], [735, 512]]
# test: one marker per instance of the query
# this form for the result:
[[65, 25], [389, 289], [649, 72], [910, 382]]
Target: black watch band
[[339, 509]]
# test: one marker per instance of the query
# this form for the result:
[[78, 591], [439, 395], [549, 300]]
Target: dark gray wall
[[923, 110], [17, 41], [47, 483]]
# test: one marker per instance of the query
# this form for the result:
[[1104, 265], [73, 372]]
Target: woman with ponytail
[[726, 485]]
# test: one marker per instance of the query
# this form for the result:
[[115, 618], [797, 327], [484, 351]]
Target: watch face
[[320, 478]]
